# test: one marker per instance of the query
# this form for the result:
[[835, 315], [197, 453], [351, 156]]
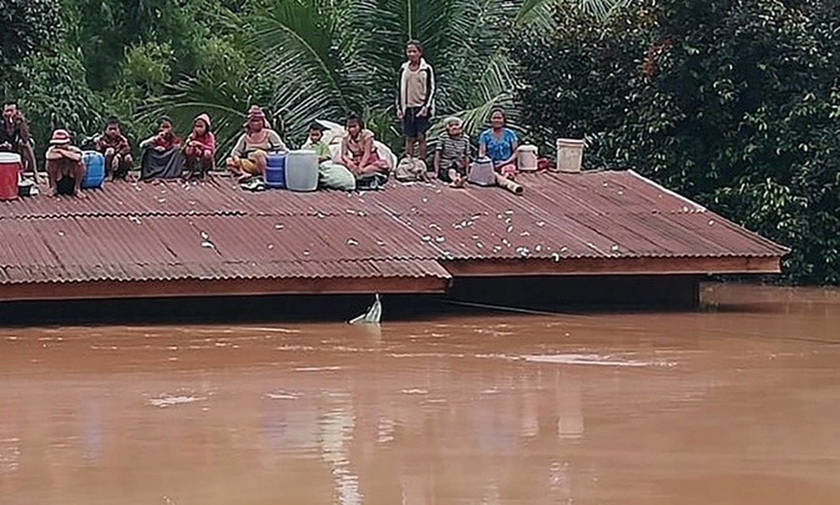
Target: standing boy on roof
[[415, 99]]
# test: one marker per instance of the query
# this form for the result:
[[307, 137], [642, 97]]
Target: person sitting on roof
[[200, 149], [452, 155], [499, 144], [359, 154], [331, 175], [162, 154], [15, 138], [65, 168], [249, 156], [116, 150]]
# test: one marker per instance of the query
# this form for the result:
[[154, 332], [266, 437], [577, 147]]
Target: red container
[[9, 172]]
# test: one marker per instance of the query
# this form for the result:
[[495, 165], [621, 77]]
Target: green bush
[[735, 103], [26, 26], [56, 95]]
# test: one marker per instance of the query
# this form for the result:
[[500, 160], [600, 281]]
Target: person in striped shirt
[[452, 156]]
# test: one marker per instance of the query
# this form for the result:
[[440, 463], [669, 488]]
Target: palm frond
[[295, 39], [539, 14], [225, 102]]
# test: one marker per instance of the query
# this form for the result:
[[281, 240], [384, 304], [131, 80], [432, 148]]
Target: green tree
[[26, 27], [735, 103], [56, 95], [323, 59]]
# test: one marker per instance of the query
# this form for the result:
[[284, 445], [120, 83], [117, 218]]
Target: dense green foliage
[[301, 59], [735, 103]]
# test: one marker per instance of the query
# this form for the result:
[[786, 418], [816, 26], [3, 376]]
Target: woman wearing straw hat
[[65, 168], [249, 156]]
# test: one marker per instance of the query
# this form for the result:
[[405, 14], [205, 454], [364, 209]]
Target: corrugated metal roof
[[213, 230]]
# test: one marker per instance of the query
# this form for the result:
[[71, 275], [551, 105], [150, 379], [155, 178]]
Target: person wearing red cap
[[65, 168], [200, 148], [249, 156]]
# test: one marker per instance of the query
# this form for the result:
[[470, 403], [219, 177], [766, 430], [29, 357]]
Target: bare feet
[[79, 194]]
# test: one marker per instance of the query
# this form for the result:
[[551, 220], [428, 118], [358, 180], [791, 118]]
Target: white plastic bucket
[[302, 171], [527, 157], [482, 173], [569, 155]]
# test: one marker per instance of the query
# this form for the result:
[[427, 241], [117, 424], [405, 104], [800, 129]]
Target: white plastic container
[[302, 171], [482, 173], [527, 157], [569, 155]]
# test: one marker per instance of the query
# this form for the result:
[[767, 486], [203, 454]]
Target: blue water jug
[[94, 169], [275, 171]]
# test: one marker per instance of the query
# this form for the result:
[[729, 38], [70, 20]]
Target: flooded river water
[[736, 404]]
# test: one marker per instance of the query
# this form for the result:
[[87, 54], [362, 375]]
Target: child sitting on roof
[[65, 168], [162, 154], [331, 175], [359, 154], [452, 155], [200, 149], [116, 150]]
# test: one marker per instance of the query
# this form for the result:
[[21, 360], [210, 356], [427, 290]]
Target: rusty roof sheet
[[214, 230]]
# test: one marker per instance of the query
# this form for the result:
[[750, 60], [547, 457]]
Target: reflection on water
[[337, 426], [735, 404]]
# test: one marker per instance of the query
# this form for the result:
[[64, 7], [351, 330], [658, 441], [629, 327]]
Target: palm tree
[[326, 58]]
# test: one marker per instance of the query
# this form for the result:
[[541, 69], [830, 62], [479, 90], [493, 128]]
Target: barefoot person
[[200, 149], [499, 144], [358, 152], [415, 99], [248, 157], [65, 168], [452, 156], [114, 147]]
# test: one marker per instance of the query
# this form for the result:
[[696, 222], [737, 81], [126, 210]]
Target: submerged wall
[[558, 292], [538, 293]]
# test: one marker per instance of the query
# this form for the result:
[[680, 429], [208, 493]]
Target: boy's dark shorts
[[66, 185], [413, 125]]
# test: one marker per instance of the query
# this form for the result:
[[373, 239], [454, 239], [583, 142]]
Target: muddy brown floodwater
[[736, 404]]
